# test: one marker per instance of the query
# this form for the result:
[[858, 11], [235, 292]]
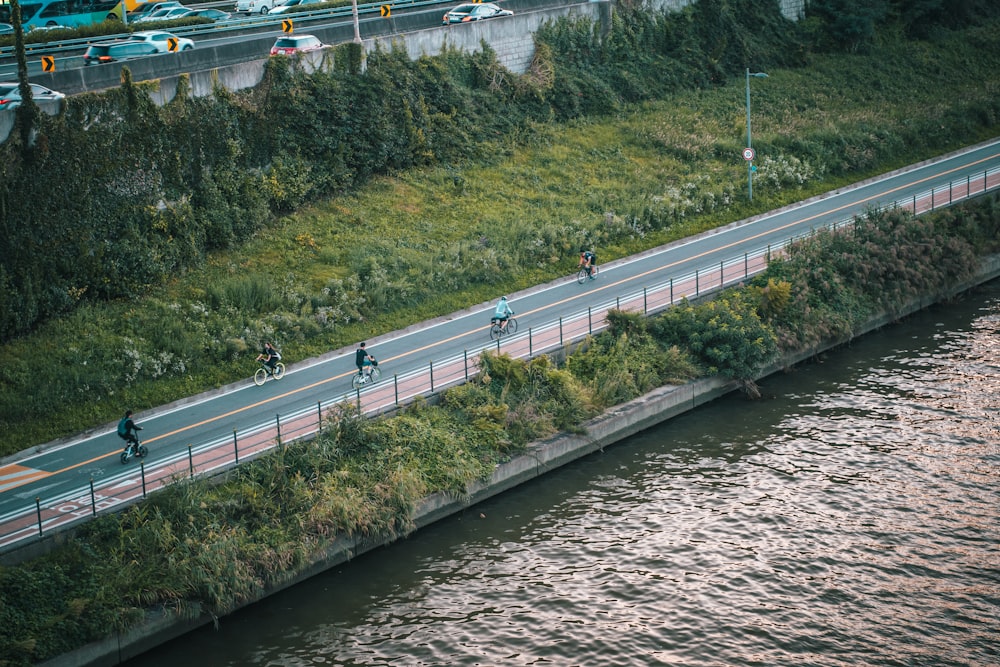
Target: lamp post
[[759, 75]]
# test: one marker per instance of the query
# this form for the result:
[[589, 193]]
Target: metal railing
[[213, 457]]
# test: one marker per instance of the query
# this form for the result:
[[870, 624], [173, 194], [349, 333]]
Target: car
[[255, 6], [109, 52], [6, 29], [291, 44], [214, 14], [147, 8], [165, 14], [10, 94], [159, 39], [293, 5], [474, 12]]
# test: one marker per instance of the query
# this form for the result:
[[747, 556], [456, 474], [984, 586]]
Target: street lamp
[[748, 153]]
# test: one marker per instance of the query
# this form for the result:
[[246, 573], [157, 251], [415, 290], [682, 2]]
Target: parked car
[[293, 5], [474, 12], [10, 94], [165, 14], [6, 29], [255, 6], [109, 52], [291, 44], [147, 8], [214, 14], [158, 39]]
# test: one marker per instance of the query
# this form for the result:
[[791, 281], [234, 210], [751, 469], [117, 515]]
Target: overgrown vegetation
[[204, 547], [160, 245], [155, 249]]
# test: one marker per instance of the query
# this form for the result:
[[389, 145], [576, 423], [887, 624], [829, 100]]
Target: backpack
[[122, 429]]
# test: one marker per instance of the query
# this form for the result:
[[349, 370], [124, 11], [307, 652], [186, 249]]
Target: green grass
[[430, 241]]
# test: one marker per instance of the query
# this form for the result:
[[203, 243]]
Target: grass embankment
[[431, 241], [222, 545]]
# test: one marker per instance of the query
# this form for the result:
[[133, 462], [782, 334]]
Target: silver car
[[10, 95], [474, 12]]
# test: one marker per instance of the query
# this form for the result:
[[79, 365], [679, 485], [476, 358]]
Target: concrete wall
[[239, 66]]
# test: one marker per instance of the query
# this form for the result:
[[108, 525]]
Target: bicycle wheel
[[495, 331], [357, 380], [124, 458], [581, 276], [376, 373], [260, 376], [511, 326], [142, 451], [279, 371]]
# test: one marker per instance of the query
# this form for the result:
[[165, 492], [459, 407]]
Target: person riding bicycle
[[127, 430], [364, 361], [588, 260], [270, 357], [502, 312]]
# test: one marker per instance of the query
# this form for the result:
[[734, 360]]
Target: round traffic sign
[[748, 153]]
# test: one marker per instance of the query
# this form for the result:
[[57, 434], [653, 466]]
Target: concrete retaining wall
[[616, 424]]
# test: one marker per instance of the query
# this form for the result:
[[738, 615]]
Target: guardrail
[[235, 24], [61, 512]]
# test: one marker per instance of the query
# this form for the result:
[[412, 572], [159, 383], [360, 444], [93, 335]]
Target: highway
[[52, 486]]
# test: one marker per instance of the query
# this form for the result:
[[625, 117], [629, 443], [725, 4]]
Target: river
[[849, 517]]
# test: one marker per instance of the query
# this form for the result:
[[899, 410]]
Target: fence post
[[319, 417], [618, 302], [722, 273], [949, 191], [590, 322], [746, 265], [932, 199], [645, 302], [93, 503], [560, 332], [142, 473], [395, 387], [236, 448], [190, 463], [277, 425], [530, 348], [465, 362], [671, 291], [38, 510], [431, 364], [697, 289]]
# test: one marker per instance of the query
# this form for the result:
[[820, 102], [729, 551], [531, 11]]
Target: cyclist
[[588, 260], [502, 312], [270, 357], [127, 430], [363, 360]]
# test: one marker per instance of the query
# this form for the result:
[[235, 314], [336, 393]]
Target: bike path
[[213, 416]]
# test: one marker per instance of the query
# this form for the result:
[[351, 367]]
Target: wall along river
[[849, 517]]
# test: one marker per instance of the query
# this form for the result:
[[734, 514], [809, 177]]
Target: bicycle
[[497, 329], [133, 449], [582, 274], [265, 371], [371, 376]]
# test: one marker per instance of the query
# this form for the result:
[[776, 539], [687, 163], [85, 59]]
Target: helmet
[[503, 298]]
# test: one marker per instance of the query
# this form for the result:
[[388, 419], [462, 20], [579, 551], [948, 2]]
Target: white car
[[163, 15], [293, 4], [158, 39], [255, 6]]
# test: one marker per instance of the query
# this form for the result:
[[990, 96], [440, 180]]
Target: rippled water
[[851, 517]]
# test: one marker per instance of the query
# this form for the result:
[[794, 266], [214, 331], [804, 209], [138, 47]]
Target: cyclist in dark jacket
[[127, 429]]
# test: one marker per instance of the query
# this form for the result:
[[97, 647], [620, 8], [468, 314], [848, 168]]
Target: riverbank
[[541, 458]]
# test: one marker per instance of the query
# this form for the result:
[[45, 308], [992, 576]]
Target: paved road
[[59, 476]]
